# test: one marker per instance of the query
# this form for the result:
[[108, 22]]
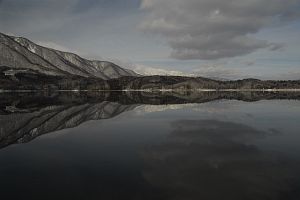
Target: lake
[[143, 145]]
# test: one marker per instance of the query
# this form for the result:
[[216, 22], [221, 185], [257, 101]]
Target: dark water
[[150, 146]]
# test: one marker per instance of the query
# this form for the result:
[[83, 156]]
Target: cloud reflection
[[209, 159]]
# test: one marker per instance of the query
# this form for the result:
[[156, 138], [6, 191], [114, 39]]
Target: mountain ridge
[[20, 52]]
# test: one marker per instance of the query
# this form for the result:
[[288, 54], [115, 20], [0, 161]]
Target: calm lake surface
[[187, 146]]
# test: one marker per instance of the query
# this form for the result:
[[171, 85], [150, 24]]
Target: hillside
[[20, 53]]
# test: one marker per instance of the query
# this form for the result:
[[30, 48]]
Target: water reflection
[[209, 159], [175, 146], [25, 116]]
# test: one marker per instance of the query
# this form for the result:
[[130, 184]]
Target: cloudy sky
[[229, 39]]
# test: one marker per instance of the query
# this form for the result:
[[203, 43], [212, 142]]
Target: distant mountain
[[20, 53], [194, 83], [25, 79]]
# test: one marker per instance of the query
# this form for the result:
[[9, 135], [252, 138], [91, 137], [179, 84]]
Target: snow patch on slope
[[151, 71], [32, 49]]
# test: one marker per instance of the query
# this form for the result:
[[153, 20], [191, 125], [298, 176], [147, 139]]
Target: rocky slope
[[19, 53]]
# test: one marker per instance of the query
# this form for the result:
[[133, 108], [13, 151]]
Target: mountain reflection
[[210, 159], [25, 116]]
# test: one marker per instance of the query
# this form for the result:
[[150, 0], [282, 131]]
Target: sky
[[227, 39]]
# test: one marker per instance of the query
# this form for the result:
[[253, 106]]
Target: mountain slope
[[21, 53]]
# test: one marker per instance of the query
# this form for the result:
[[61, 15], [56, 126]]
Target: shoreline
[[160, 90]]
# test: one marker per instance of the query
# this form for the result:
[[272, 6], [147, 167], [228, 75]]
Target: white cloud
[[212, 29]]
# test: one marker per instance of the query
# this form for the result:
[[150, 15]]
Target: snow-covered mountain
[[21, 53]]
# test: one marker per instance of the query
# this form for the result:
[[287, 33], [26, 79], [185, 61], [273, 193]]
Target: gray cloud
[[35, 16], [212, 29], [29, 16], [108, 6]]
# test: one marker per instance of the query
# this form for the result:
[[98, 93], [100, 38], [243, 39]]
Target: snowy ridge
[[18, 52]]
